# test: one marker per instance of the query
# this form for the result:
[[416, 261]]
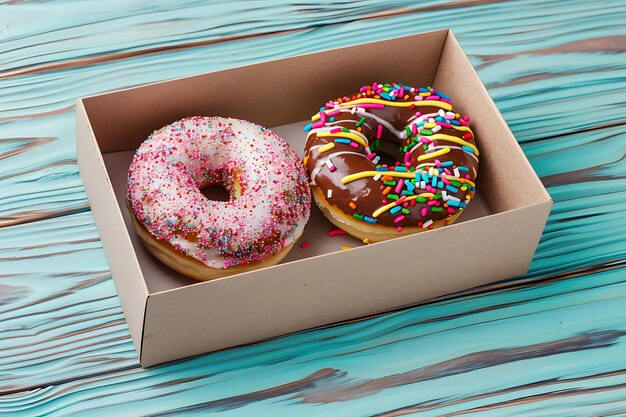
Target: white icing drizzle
[[321, 162]]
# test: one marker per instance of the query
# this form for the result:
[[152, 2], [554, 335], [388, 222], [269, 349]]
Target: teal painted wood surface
[[550, 343]]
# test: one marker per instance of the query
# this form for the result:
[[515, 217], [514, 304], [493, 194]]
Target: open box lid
[[266, 93]]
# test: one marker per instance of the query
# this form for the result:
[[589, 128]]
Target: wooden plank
[[583, 173], [59, 313], [38, 172]]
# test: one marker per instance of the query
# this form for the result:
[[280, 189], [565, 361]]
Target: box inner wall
[[271, 93]]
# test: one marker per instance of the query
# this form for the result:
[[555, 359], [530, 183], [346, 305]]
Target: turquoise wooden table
[[550, 343]]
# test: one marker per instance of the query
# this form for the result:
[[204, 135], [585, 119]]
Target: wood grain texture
[[547, 340], [548, 343]]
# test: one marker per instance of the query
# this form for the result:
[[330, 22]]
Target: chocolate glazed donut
[[391, 160]]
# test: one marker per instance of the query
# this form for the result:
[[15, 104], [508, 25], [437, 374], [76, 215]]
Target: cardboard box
[[171, 316]]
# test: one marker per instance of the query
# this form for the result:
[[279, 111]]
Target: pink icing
[[264, 214]]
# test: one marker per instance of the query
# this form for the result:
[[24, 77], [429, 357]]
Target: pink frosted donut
[[205, 239]]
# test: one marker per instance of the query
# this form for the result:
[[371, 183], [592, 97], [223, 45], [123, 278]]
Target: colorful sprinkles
[[429, 179], [270, 198], [336, 232]]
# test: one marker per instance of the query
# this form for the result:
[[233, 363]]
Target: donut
[[391, 160], [269, 203]]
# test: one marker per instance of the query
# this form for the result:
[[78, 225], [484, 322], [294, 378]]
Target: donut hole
[[221, 185], [386, 158], [216, 192], [389, 154]]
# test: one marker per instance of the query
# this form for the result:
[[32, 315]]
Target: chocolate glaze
[[367, 193]]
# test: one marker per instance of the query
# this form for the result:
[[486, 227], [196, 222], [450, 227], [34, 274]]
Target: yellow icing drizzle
[[352, 136], [433, 154], [353, 103], [365, 174], [395, 203], [454, 139], [326, 147]]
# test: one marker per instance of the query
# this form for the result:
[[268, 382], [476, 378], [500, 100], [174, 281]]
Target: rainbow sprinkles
[[394, 156]]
